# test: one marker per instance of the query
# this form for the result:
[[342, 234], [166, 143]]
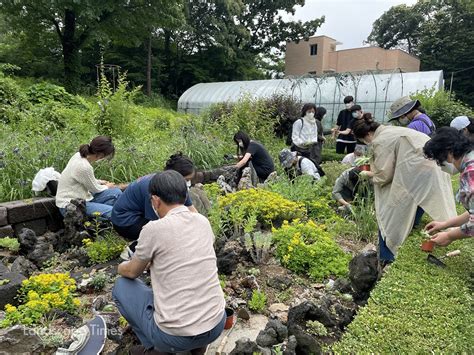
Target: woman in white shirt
[[304, 135], [77, 180]]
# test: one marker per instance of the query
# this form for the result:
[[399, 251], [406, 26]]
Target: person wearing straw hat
[[465, 125], [409, 113]]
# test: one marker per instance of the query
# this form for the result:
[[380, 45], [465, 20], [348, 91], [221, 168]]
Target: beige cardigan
[[403, 180]]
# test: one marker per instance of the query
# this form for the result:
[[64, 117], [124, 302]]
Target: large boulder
[[244, 346], [274, 333], [74, 219], [10, 284], [23, 266], [38, 249], [363, 273], [20, 340], [200, 200]]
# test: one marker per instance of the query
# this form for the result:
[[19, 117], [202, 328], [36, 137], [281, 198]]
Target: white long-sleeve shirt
[[308, 168], [304, 133], [77, 181]]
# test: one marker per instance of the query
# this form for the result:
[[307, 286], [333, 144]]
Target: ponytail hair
[[363, 126], [99, 145], [180, 163]]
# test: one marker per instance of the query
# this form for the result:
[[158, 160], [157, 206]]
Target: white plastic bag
[[42, 177]]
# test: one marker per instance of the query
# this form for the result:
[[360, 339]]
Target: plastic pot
[[230, 320], [365, 167], [427, 246]]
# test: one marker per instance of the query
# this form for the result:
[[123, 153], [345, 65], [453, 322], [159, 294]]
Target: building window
[[313, 49], [312, 72]]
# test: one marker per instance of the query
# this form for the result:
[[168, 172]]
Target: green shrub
[[99, 280], [442, 107], [11, 244], [46, 93], [12, 100], [417, 307], [307, 248], [105, 248], [258, 301], [316, 328]]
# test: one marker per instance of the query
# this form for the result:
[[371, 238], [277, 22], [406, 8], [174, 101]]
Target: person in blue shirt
[[133, 209]]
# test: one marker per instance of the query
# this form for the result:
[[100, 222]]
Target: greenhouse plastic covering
[[374, 92]]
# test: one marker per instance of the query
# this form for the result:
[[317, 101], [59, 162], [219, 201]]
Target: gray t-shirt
[[187, 294]]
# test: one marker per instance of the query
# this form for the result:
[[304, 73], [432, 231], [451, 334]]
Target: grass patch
[[417, 307]]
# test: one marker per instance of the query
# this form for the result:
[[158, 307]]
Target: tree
[[443, 38], [77, 22]]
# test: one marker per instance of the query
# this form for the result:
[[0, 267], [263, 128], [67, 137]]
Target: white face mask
[[241, 145], [404, 121], [450, 167], [310, 115], [188, 184], [349, 105], [355, 114], [154, 210]]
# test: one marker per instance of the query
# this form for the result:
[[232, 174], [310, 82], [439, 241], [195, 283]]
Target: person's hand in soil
[[435, 226], [442, 239]]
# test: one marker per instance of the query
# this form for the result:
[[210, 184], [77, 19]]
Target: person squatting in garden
[[350, 158], [346, 188], [450, 146], [254, 155], [295, 164], [184, 308], [409, 113], [77, 180], [345, 140], [134, 209], [405, 183], [304, 134]]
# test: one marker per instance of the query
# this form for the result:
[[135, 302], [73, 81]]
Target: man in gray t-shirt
[[184, 309]]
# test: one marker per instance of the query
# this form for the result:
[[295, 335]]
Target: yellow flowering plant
[[267, 207], [39, 295], [308, 248]]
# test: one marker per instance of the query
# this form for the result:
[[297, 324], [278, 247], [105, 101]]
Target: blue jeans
[[102, 202], [385, 254], [134, 300]]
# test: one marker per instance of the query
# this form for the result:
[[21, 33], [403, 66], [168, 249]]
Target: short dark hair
[[320, 112], [348, 99], [363, 126], [447, 140], [244, 137], [99, 145], [307, 107], [180, 163], [170, 187], [355, 108]]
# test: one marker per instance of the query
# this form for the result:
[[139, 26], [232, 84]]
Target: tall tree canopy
[[440, 32]]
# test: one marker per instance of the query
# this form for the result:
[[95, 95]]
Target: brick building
[[318, 55]]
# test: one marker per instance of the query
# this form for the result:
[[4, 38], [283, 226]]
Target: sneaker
[[126, 253]]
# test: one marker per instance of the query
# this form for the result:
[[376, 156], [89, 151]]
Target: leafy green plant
[[258, 245], [11, 244], [258, 301], [363, 214], [307, 248], [39, 295], [46, 92], [99, 280], [105, 248], [316, 328]]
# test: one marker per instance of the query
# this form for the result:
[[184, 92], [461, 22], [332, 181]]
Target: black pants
[[131, 232], [341, 146]]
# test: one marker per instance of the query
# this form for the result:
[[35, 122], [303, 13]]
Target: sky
[[348, 21]]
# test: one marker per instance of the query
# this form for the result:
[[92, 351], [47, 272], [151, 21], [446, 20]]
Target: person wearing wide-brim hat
[[301, 165], [409, 113]]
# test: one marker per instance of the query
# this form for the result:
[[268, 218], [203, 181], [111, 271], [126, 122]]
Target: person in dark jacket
[[319, 115], [345, 140]]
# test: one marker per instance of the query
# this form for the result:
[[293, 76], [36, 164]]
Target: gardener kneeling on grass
[[345, 188], [184, 309]]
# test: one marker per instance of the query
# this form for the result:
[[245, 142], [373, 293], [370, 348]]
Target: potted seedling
[[427, 245], [363, 163]]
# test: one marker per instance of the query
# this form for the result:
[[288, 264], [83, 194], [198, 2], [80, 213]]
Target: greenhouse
[[374, 92]]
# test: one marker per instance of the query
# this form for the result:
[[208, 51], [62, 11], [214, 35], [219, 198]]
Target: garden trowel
[[437, 261]]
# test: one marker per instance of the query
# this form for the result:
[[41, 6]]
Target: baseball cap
[[460, 122]]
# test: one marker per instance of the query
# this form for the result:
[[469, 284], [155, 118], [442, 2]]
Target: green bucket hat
[[402, 106]]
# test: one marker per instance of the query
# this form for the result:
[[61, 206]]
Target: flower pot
[[230, 320], [427, 245], [365, 167]]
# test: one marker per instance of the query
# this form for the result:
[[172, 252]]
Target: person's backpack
[[320, 170], [289, 139], [430, 126]]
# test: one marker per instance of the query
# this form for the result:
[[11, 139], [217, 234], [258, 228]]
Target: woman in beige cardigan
[[406, 184]]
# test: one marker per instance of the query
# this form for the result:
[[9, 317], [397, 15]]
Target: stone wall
[[39, 214]]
